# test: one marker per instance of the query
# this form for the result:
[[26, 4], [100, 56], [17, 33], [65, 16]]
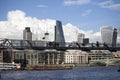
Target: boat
[[9, 66], [49, 67]]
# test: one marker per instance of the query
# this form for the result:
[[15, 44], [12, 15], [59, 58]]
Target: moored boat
[[9, 66], [50, 67]]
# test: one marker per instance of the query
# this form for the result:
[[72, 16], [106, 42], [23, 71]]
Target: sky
[[84, 16]]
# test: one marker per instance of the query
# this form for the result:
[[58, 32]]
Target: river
[[81, 73]]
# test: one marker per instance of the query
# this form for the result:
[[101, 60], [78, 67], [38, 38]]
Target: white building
[[80, 37], [76, 57], [109, 35], [27, 34]]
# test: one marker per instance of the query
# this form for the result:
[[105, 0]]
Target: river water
[[81, 73]]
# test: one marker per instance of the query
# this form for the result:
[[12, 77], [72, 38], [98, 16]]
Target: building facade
[[76, 57], [1, 56], [80, 38], [100, 55], [116, 54], [86, 41], [59, 36], [109, 36], [27, 34], [37, 58]]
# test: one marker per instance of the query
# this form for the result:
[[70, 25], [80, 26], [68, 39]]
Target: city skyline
[[87, 15]]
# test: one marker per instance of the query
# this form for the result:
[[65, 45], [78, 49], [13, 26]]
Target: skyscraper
[[114, 39], [109, 36], [80, 38], [59, 36], [27, 34]]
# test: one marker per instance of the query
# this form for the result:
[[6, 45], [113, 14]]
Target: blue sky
[[85, 14]]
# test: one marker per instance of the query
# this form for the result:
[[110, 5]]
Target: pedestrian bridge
[[42, 45]]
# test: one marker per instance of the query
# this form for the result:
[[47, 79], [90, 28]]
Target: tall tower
[[114, 39], [59, 36], [80, 38], [27, 34], [109, 36]]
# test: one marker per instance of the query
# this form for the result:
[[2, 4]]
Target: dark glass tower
[[114, 39], [59, 36]]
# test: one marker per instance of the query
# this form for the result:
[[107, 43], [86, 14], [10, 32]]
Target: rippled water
[[82, 73]]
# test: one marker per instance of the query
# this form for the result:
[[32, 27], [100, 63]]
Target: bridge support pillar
[[58, 58], [48, 58], [53, 60]]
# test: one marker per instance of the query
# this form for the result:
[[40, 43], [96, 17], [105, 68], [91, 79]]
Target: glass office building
[[59, 36], [109, 36]]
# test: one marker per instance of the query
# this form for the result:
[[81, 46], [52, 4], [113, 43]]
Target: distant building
[[86, 41], [59, 36], [100, 55], [114, 39], [34, 36], [1, 56], [46, 36], [76, 57], [109, 36], [116, 54], [80, 38], [27, 34], [35, 58]]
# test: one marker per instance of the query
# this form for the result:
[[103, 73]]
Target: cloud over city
[[17, 21]]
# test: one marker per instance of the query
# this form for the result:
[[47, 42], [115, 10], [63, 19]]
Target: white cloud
[[109, 4], [71, 31], [41, 6], [17, 21], [76, 2], [87, 12]]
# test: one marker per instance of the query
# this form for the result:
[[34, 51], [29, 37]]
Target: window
[[28, 56]]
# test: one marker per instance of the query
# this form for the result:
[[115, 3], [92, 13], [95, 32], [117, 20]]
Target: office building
[[114, 39], [80, 38], [59, 36], [27, 34], [34, 36], [34, 57], [109, 36], [86, 41], [116, 54], [46, 37], [100, 55], [76, 57], [1, 56]]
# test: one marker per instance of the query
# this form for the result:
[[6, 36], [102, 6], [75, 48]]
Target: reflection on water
[[82, 73]]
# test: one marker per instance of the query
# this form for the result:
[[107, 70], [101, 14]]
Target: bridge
[[18, 44]]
